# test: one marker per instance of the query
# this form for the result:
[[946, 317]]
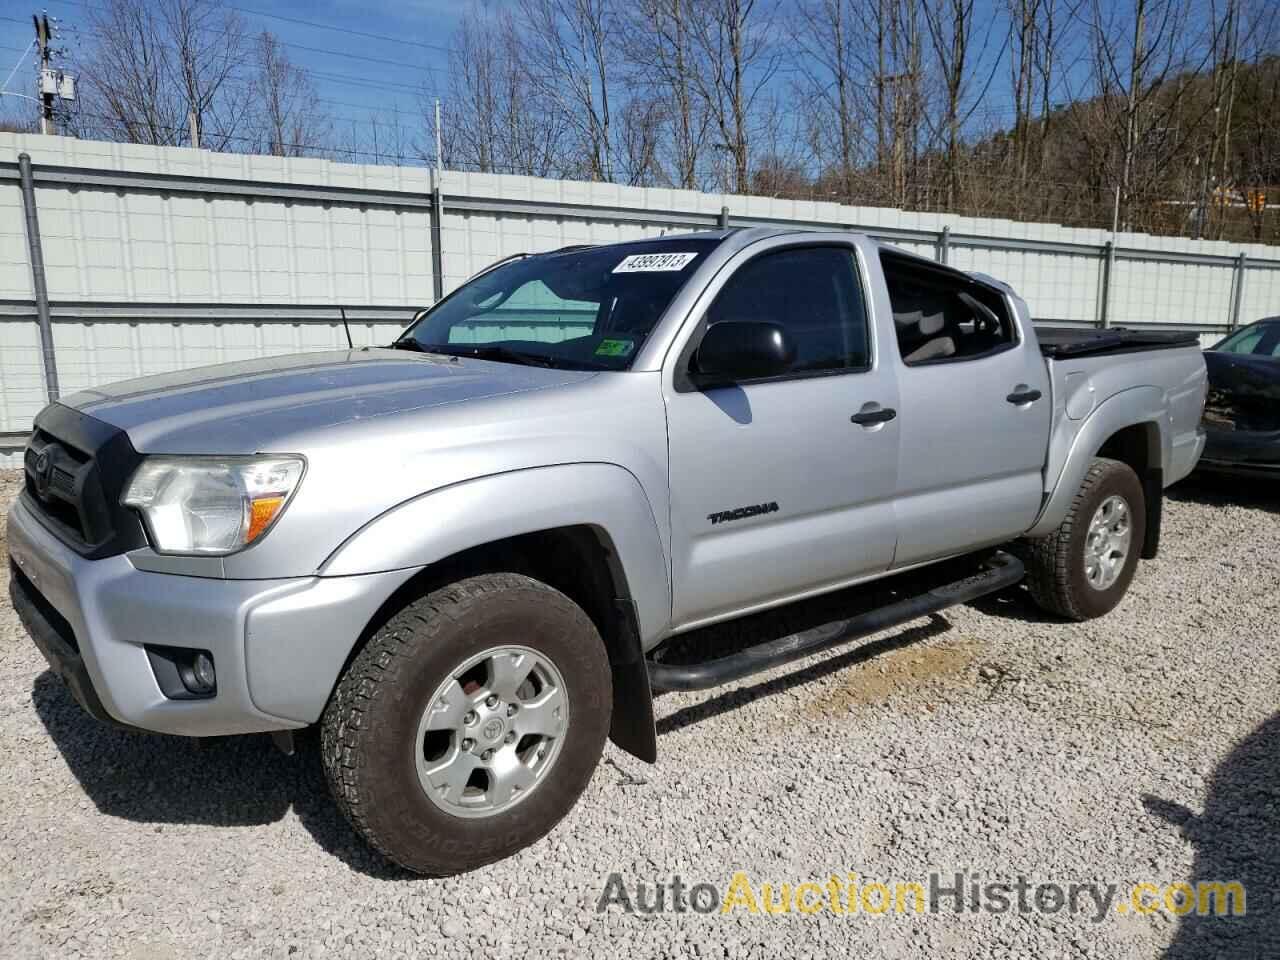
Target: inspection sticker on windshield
[[654, 262], [615, 348]]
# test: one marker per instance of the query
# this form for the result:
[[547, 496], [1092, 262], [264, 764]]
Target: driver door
[[775, 491]]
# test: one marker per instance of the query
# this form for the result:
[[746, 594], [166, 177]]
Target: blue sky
[[377, 56], [358, 74]]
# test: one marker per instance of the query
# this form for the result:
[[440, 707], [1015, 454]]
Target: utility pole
[[53, 84], [439, 160], [48, 81]]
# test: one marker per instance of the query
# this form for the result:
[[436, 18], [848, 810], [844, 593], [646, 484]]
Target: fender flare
[[1137, 405], [446, 521], [602, 496]]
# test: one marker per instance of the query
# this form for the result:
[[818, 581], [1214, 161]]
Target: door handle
[[883, 415], [1024, 396]]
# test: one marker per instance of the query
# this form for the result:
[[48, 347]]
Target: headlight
[[208, 505]]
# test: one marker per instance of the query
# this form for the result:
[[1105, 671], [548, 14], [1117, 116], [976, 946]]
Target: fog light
[[183, 673], [202, 674]]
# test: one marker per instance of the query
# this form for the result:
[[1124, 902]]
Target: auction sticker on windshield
[[654, 262]]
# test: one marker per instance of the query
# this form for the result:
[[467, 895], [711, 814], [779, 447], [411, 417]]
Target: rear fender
[[1124, 409]]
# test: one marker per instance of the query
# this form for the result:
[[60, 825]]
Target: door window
[[814, 295], [939, 316]]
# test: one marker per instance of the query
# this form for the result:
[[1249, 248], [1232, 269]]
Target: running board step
[[999, 571]]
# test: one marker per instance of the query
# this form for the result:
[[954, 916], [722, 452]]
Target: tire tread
[[1048, 558], [374, 672]]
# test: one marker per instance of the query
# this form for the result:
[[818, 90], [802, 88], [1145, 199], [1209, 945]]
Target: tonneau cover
[[1063, 342]]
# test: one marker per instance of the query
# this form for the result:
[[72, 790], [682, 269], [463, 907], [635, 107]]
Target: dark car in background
[[1242, 411]]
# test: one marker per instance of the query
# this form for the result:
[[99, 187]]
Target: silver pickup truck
[[463, 555]]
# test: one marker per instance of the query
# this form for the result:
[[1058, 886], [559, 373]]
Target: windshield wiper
[[490, 351], [484, 351], [409, 343], [507, 355]]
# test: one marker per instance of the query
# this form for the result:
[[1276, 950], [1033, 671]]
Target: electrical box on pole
[[52, 84]]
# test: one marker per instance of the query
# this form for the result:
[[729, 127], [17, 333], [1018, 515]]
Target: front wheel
[[1082, 569], [469, 724]]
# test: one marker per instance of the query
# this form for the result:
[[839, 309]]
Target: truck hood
[[252, 405]]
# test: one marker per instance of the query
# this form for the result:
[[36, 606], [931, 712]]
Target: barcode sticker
[[654, 262]]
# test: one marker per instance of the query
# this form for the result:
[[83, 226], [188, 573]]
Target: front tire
[[469, 724], [1082, 569]]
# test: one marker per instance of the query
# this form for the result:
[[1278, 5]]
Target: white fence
[[163, 257]]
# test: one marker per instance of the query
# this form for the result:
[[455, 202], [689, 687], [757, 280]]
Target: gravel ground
[[1141, 747]]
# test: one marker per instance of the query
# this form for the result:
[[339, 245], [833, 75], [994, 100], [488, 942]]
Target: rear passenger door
[[775, 491], [975, 412]]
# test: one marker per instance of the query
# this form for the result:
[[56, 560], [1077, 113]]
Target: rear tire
[[435, 690], [1077, 571]]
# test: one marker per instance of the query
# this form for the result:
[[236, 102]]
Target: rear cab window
[[942, 316]]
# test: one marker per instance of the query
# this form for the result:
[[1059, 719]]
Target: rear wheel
[[1082, 569], [469, 724]]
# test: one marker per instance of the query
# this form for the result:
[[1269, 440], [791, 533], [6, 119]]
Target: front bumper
[[278, 645], [54, 639]]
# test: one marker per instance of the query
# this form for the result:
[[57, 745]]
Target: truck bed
[[1062, 342]]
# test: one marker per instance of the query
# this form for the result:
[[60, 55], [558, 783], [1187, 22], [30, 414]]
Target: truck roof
[[743, 236]]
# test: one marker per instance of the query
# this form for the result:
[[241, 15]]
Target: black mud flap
[[632, 726], [1153, 494]]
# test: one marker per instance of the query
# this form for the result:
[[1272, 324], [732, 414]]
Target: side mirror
[[734, 350]]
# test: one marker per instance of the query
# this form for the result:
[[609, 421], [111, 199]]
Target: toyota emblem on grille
[[43, 472]]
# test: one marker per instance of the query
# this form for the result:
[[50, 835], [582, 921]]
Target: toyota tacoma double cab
[[462, 555]]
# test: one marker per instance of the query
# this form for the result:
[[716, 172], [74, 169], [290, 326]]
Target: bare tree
[[568, 52], [639, 136], [950, 25], [1255, 157], [474, 112], [658, 43], [167, 72], [289, 120], [778, 168], [829, 39], [1225, 67], [127, 89], [1131, 121], [870, 101], [738, 62], [210, 45], [1053, 33], [894, 65], [1024, 50], [494, 118]]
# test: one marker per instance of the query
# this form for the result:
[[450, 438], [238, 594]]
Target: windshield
[[1259, 339], [582, 309]]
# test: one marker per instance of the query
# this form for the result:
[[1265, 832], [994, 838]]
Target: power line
[[241, 138], [381, 61], [343, 30]]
